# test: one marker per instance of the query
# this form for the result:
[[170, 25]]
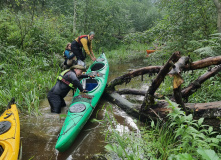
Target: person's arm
[[78, 85], [91, 51], [83, 76], [86, 48], [67, 54]]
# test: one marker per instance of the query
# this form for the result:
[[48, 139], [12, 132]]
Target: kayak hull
[[82, 105], [10, 138]]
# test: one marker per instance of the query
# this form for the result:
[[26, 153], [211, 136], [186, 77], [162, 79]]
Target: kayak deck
[[83, 105], [10, 134]]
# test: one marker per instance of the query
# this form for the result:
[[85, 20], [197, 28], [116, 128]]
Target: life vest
[[68, 53], [80, 37], [61, 78]]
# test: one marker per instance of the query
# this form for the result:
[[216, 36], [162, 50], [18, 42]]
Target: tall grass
[[28, 80]]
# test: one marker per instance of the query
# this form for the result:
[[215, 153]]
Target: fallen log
[[137, 92], [203, 63], [149, 97], [127, 77], [155, 69], [133, 109], [197, 83], [209, 111], [131, 91], [128, 107]]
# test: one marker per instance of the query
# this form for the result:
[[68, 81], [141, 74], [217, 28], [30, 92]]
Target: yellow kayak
[[10, 134]]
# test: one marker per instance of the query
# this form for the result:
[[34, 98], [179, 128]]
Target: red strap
[[80, 37], [66, 82]]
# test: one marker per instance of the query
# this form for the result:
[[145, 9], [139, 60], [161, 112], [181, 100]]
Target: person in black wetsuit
[[67, 80]]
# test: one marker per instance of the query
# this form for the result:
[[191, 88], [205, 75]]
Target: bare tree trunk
[[178, 80], [149, 97], [74, 16], [218, 8]]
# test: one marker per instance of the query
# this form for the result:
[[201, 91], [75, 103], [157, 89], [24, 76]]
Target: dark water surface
[[39, 134]]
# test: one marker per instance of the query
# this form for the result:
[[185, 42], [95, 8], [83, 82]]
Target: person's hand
[[92, 76], [93, 59], [85, 91]]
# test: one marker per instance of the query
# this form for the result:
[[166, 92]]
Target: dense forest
[[34, 33]]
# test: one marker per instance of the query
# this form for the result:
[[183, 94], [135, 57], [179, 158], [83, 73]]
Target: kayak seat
[[97, 66], [91, 84]]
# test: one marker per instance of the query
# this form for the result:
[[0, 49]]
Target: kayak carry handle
[[11, 102]]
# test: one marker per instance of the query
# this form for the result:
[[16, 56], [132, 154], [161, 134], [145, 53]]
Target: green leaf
[[208, 154], [200, 121], [218, 136], [109, 147], [183, 156], [152, 124], [210, 129], [120, 151]]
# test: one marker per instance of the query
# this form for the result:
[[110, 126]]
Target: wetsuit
[[60, 90]]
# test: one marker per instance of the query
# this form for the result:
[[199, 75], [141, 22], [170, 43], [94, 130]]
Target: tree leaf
[[200, 121], [208, 154], [109, 147]]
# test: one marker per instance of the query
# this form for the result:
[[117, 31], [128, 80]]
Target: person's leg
[[63, 104], [55, 102], [77, 50]]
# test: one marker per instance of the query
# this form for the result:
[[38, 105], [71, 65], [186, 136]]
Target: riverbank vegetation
[[180, 137], [33, 35]]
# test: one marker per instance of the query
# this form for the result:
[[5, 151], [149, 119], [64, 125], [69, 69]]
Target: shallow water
[[39, 134]]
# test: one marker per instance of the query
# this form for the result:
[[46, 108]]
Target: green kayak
[[83, 105]]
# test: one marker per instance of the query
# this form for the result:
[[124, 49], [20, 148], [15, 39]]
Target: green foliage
[[210, 47], [181, 137], [206, 93], [27, 78], [183, 23], [34, 35]]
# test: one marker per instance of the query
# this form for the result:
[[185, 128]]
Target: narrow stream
[[39, 134]]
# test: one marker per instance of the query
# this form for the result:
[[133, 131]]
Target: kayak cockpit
[[90, 84], [97, 66]]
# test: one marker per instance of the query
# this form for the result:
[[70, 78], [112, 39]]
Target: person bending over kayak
[[67, 80], [84, 41], [69, 57]]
